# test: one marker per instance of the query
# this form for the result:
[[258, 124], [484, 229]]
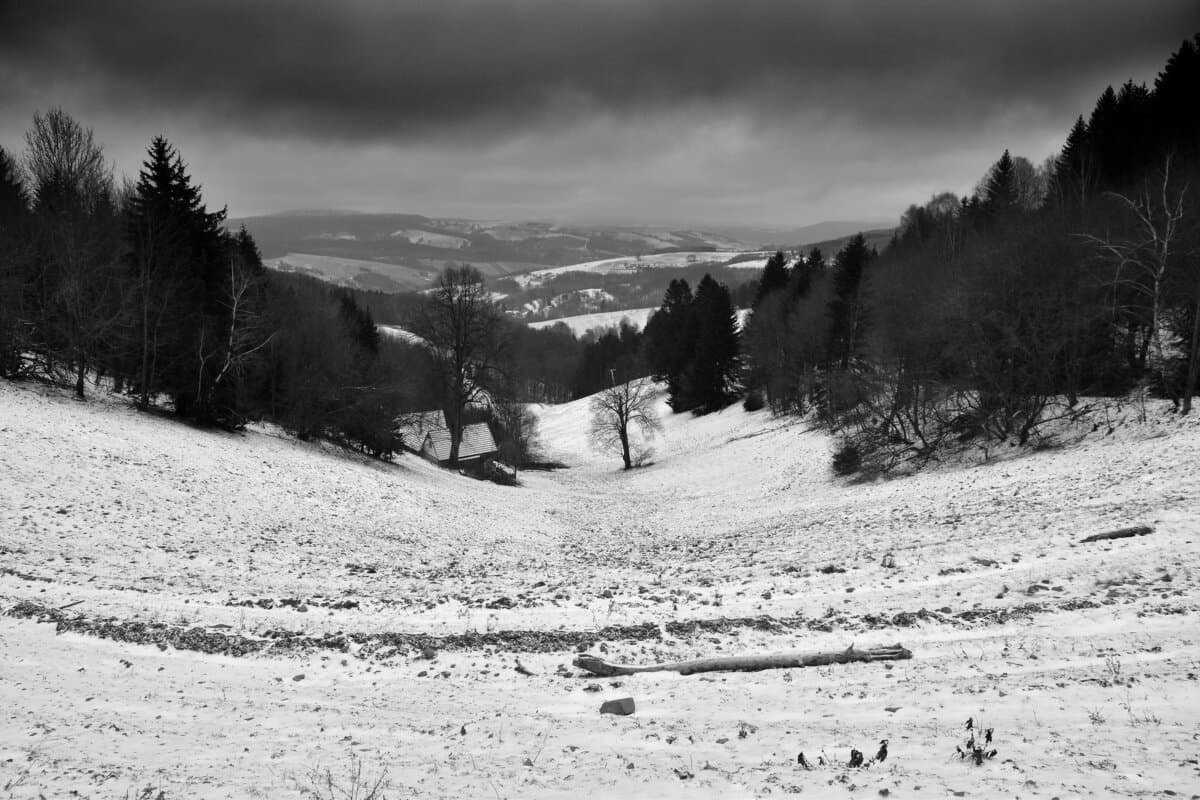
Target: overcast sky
[[762, 112]]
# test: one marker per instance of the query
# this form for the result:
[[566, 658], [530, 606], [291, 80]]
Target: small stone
[[298, 676], [622, 707]]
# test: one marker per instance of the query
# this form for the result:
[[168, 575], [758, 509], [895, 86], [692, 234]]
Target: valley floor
[[1083, 658]]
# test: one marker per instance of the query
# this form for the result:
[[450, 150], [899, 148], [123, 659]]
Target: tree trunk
[[80, 376], [1120, 533], [144, 387], [625, 448], [598, 666]]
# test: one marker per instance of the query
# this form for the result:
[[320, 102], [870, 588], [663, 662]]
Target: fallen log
[[598, 666], [1120, 533]]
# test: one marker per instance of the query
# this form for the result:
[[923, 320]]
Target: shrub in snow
[[847, 460]]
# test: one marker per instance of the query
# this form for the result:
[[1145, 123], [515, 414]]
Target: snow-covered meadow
[[1084, 658], [582, 323], [631, 264]]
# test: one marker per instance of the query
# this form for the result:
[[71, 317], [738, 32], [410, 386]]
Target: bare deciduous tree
[[245, 334], [74, 206], [467, 340], [1141, 261], [621, 411]]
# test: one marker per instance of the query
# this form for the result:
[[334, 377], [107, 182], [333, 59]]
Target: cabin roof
[[476, 441]]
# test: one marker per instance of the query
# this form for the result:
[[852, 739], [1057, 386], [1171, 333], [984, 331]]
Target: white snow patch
[[430, 239], [583, 323], [631, 264]]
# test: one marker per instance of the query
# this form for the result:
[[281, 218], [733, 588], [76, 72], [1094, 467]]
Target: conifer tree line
[[140, 287], [985, 316], [692, 342]]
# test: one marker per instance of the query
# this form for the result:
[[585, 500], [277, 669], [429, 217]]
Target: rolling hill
[[402, 252]]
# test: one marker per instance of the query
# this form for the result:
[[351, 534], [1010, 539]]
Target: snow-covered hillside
[[582, 323], [355, 273], [737, 539], [631, 264], [430, 239]]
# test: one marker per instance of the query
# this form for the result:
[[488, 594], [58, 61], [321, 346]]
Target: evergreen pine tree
[[177, 257], [847, 310], [711, 379], [1000, 192], [668, 348], [1102, 131], [803, 275], [1129, 142], [774, 277], [1073, 176], [1176, 102]]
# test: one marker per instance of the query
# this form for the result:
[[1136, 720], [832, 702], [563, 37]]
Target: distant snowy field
[[630, 264], [353, 272], [1083, 657], [583, 323], [430, 239]]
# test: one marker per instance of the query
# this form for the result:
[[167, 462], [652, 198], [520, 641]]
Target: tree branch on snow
[[599, 666]]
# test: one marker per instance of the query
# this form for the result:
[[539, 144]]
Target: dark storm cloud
[[401, 70]]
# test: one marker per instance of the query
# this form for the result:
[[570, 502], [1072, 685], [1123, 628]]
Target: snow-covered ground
[[631, 264], [354, 272], [396, 332], [1083, 657], [430, 239], [582, 323]]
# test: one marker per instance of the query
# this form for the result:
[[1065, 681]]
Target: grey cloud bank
[[754, 111]]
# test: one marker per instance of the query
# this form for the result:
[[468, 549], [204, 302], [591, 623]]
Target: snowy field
[[354, 272], [582, 323], [430, 239], [162, 549], [631, 264]]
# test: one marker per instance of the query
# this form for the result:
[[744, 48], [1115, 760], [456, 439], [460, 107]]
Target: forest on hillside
[[988, 315]]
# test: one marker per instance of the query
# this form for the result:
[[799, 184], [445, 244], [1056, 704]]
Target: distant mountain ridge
[[806, 235]]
